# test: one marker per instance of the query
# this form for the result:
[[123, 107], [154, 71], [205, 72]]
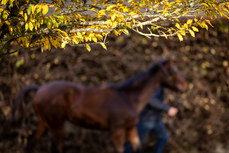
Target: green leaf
[[20, 62], [5, 15], [29, 11]]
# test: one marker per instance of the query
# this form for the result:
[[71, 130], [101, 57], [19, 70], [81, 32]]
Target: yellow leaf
[[183, 32], [225, 16], [128, 24], [11, 29], [165, 10], [25, 17], [21, 12], [45, 9], [88, 47], [165, 35], [195, 29], [180, 37], [75, 40], [4, 2], [114, 24], [204, 4], [203, 25], [192, 33], [108, 22], [30, 26], [26, 26], [63, 32], [38, 8], [113, 17], [110, 7], [104, 46], [63, 44], [133, 20], [126, 31], [140, 25], [101, 13], [177, 25], [86, 38], [94, 39], [208, 21], [100, 37], [79, 35], [185, 26], [47, 44], [132, 13], [26, 43], [8, 23], [56, 10], [189, 21], [116, 32], [33, 8]]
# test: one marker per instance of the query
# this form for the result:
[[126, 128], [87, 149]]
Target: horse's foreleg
[[57, 140], [118, 138], [133, 138]]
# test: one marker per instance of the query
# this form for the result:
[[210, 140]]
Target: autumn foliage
[[56, 23]]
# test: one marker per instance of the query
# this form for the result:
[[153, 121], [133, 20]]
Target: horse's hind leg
[[41, 130], [118, 137]]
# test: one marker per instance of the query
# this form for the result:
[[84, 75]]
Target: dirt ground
[[202, 125]]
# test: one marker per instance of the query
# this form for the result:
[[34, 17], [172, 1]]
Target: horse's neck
[[141, 93]]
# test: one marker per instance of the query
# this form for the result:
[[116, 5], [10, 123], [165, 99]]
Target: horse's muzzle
[[182, 87]]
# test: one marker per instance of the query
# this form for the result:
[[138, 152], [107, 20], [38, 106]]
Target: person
[[151, 120]]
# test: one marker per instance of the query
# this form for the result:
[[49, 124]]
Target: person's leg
[[144, 128], [162, 136]]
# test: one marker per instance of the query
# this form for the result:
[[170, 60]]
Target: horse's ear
[[166, 62], [162, 61]]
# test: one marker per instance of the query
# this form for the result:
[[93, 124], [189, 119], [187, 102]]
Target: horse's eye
[[173, 70]]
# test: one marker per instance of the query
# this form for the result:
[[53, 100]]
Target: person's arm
[[156, 103]]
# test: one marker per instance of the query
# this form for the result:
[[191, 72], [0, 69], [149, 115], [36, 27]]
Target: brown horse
[[115, 108]]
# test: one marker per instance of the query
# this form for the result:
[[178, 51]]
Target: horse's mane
[[138, 78]]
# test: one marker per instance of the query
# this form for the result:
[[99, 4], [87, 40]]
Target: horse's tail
[[18, 104]]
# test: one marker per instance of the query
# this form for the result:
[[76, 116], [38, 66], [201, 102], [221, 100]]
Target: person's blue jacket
[[155, 107]]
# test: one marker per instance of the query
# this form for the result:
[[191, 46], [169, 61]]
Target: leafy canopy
[[55, 23]]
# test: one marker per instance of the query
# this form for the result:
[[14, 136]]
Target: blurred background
[[202, 125]]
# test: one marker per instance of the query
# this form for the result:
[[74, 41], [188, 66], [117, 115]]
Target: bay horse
[[114, 107]]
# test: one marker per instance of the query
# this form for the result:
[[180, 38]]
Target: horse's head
[[170, 77]]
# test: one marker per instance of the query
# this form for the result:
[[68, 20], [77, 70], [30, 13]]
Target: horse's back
[[52, 101], [53, 90]]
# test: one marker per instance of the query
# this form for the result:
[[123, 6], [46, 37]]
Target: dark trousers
[[159, 129]]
